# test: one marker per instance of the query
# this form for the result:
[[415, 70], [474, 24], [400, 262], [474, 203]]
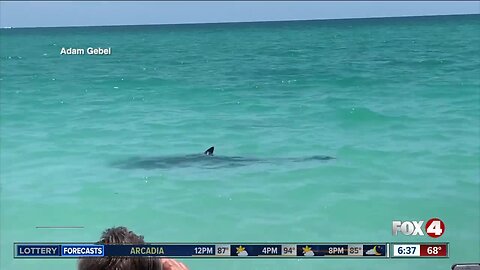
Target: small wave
[[359, 115], [15, 57]]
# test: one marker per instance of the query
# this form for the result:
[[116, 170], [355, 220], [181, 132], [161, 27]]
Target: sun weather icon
[[241, 251], [307, 251]]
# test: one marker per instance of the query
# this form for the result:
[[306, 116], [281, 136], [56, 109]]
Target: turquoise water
[[396, 101]]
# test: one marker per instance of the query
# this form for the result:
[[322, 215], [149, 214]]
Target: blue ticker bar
[[209, 250]]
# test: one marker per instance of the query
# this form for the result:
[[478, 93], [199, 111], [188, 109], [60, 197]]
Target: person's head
[[120, 235]]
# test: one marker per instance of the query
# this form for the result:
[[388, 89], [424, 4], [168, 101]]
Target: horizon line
[[246, 22]]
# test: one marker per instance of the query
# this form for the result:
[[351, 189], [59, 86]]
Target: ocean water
[[396, 101]]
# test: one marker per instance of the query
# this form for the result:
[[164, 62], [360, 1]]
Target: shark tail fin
[[209, 151]]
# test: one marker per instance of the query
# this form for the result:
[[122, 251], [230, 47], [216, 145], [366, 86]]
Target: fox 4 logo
[[434, 227]]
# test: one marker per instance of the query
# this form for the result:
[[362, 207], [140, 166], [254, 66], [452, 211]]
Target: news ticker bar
[[212, 250]]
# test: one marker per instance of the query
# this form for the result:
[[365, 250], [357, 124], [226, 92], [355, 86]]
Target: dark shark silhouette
[[205, 160]]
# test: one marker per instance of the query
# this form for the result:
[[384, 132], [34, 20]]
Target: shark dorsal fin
[[209, 151]]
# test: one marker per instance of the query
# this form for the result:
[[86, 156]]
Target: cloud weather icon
[[241, 251], [373, 251], [307, 251]]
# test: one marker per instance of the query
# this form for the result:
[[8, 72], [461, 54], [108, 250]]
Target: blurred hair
[[119, 236]]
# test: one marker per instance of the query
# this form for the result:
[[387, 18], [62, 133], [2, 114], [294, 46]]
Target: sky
[[89, 13]]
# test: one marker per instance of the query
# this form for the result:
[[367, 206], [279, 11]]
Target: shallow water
[[396, 101]]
